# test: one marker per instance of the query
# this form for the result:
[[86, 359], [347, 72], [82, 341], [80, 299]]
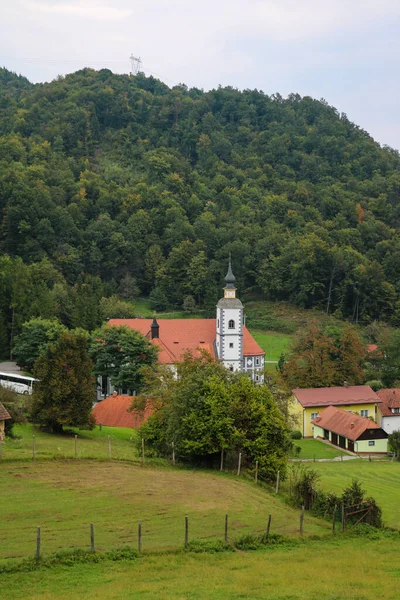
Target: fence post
[[269, 525], [343, 519], [277, 483], [92, 537], [186, 531], [38, 540], [301, 519], [142, 452], [76, 446], [33, 448], [314, 457], [109, 447], [140, 536], [1, 448], [221, 464], [239, 463], [334, 519], [226, 528], [173, 453], [256, 475]]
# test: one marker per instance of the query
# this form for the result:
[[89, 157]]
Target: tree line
[[116, 185]]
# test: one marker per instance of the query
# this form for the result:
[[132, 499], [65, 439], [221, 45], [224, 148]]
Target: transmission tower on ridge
[[136, 64]]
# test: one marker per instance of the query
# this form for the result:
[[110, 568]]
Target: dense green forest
[[119, 185]]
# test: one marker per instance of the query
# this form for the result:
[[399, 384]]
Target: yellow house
[[358, 399]]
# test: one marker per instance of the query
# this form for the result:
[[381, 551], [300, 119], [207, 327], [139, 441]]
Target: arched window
[[231, 324]]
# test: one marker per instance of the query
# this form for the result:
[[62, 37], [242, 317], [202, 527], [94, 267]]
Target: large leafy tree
[[65, 392], [121, 353], [207, 409], [34, 338], [324, 357]]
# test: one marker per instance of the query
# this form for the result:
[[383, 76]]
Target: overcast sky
[[346, 51]]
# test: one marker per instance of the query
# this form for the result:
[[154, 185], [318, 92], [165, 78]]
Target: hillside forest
[[114, 186]]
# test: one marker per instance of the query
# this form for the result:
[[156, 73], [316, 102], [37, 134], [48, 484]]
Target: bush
[[296, 435], [208, 546], [254, 541], [305, 487]]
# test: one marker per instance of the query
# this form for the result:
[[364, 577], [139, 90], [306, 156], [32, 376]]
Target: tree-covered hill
[[105, 176]]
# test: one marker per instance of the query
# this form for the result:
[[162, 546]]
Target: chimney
[[345, 384], [155, 329], [115, 393], [352, 425]]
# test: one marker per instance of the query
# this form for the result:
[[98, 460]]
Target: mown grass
[[274, 344], [331, 569], [64, 497], [317, 449], [90, 444], [380, 479]]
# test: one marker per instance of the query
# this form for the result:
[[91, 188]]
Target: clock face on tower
[[229, 293]]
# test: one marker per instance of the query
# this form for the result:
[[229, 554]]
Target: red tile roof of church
[[177, 336], [113, 412]]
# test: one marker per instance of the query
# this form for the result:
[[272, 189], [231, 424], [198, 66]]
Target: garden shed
[[4, 415]]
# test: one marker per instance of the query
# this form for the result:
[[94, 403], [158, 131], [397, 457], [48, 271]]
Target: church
[[226, 338]]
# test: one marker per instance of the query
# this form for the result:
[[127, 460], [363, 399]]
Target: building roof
[[113, 412], [371, 348], [4, 414], [390, 398], [336, 396], [177, 336], [344, 423]]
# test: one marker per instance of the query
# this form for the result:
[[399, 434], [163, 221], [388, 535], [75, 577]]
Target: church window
[[231, 324], [258, 361], [230, 345], [218, 324], [231, 368]]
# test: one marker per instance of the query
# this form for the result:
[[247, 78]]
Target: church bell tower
[[229, 338]]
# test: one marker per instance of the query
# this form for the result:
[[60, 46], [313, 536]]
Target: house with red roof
[[4, 416], [390, 409], [115, 412], [356, 399], [225, 338], [350, 431]]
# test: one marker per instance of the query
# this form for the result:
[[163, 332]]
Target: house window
[[395, 411], [364, 413], [230, 344], [231, 324], [314, 416], [371, 443]]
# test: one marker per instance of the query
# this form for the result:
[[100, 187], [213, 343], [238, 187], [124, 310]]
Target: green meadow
[[340, 568], [315, 448]]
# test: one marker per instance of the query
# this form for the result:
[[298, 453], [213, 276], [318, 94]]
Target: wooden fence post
[[314, 457], [343, 519], [277, 483], [38, 541], [221, 464], [92, 537], [256, 474], [76, 446], [302, 519], [33, 448], [334, 519], [142, 452], [186, 531], [269, 525], [239, 463], [173, 453], [226, 528], [109, 447], [140, 536]]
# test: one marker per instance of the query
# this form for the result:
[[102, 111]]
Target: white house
[[226, 338], [390, 409]]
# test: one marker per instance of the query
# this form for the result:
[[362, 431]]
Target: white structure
[[226, 338], [390, 409]]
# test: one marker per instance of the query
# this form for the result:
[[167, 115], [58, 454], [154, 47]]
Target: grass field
[[381, 480], [274, 344], [90, 444], [334, 569], [64, 497], [311, 448]]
